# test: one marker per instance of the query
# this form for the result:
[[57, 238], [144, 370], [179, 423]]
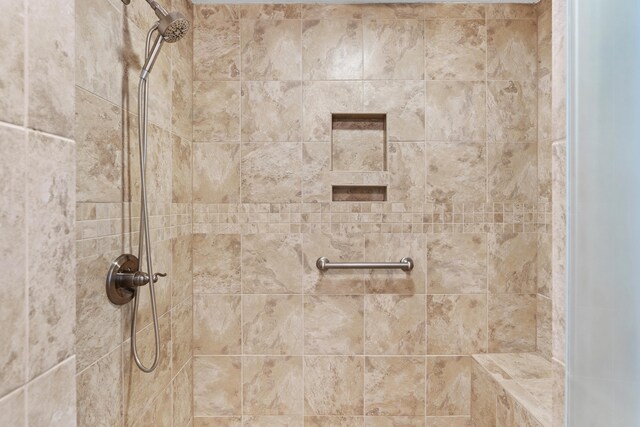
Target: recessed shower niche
[[358, 142]]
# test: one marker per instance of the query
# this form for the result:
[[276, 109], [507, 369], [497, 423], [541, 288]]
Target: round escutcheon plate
[[118, 294]]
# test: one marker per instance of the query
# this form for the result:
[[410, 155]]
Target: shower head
[[171, 25]]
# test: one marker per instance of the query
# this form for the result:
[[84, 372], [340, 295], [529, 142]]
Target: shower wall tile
[[394, 385], [316, 163], [512, 47], [272, 385], [358, 150], [559, 250], [216, 263], [158, 412], [544, 109], [272, 324], [217, 387], [271, 173], [99, 389], [457, 263], [510, 11], [455, 49], [331, 11], [51, 398], [544, 172], [12, 409], [454, 11], [334, 324], [181, 268], [449, 421], [160, 95], [448, 385], [181, 335], [334, 385], [331, 49], [271, 111], [544, 264], [456, 324], [512, 265], [271, 49], [270, 420], [217, 324], [216, 111], [512, 323], [182, 389], [182, 90], [334, 421], [12, 69], [512, 172], [395, 324], [393, 11], [322, 98], [182, 172], [216, 173], [406, 172], [455, 111], [386, 421], [511, 111], [217, 422], [559, 70], [543, 325], [393, 49], [216, 45], [204, 12], [270, 11], [272, 263]]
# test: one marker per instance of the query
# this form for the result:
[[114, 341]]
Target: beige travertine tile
[[51, 398], [559, 250], [393, 11], [99, 390], [338, 247], [391, 248], [98, 322], [272, 324], [455, 111], [512, 322], [12, 409], [272, 420], [271, 173], [333, 324], [182, 389], [331, 11], [181, 171], [158, 164], [456, 172], [270, 11], [456, 324], [216, 387], [216, 111], [272, 263], [50, 230], [321, 99], [511, 11], [394, 385], [225, 12], [453, 11], [512, 172], [512, 47], [512, 266], [544, 172], [316, 163], [216, 263], [511, 111], [217, 422], [544, 42], [403, 102], [358, 150], [13, 246], [216, 45], [272, 385], [558, 394], [13, 63], [158, 412], [511, 413], [216, 173], [544, 109], [334, 385], [559, 70], [51, 68], [397, 421], [271, 49], [543, 325], [406, 172], [181, 268], [182, 88], [334, 421], [449, 422], [455, 49], [393, 49], [271, 111], [98, 149], [160, 96], [181, 335], [544, 264], [395, 324], [331, 49], [456, 263], [217, 326], [448, 385], [483, 397]]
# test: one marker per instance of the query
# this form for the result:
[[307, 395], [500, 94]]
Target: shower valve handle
[[124, 277]]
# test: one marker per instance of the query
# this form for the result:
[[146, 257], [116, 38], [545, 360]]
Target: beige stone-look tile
[[456, 172], [51, 398], [358, 150], [12, 409], [559, 70], [391, 248], [181, 335], [182, 171], [511, 111], [334, 385], [50, 230], [99, 390], [217, 387], [160, 96], [456, 324], [337, 247], [99, 149], [558, 394], [543, 325], [333, 324], [559, 250], [510, 11], [316, 164], [483, 397], [544, 40], [270, 11], [182, 390], [217, 325], [393, 49], [158, 413], [271, 173], [455, 111], [456, 263], [448, 385], [512, 47], [455, 49], [397, 421], [271, 49], [334, 421], [512, 323], [393, 11], [216, 111], [544, 109], [13, 63], [13, 248], [394, 385], [332, 49], [544, 264], [272, 263], [321, 99], [512, 266], [217, 422], [512, 172], [272, 385], [216, 173], [331, 11], [158, 164], [181, 268], [216, 263], [182, 88], [224, 12], [51, 68], [544, 172], [449, 422], [271, 111], [404, 104], [216, 46], [395, 324], [98, 322], [407, 171], [272, 324], [272, 420], [454, 11]]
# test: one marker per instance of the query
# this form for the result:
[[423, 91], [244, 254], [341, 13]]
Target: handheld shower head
[[171, 25]]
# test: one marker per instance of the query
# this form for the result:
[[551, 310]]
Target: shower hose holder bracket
[[124, 276]]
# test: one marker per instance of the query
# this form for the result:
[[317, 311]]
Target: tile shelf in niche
[[358, 142], [359, 193]]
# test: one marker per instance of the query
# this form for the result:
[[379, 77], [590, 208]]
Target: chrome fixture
[[323, 264], [124, 277]]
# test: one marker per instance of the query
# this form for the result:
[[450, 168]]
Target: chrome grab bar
[[323, 264]]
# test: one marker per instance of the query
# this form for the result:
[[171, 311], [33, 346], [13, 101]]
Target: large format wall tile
[[271, 173], [455, 111], [456, 324], [321, 99], [332, 49], [12, 70], [512, 266], [12, 409], [271, 111], [216, 111], [182, 389], [271, 49], [272, 324], [407, 171], [51, 398], [216, 47], [511, 111], [456, 263], [390, 248], [456, 172], [216, 263], [334, 324], [512, 47], [99, 390], [216, 173], [448, 385], [217, 327], [272, 385], [394, 385], [395, 324], [217, 386], [512, 171], [181, 335], [182, 170], [334, 385], [512, 323], [272, 263], [393, 49], [454, 11]]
